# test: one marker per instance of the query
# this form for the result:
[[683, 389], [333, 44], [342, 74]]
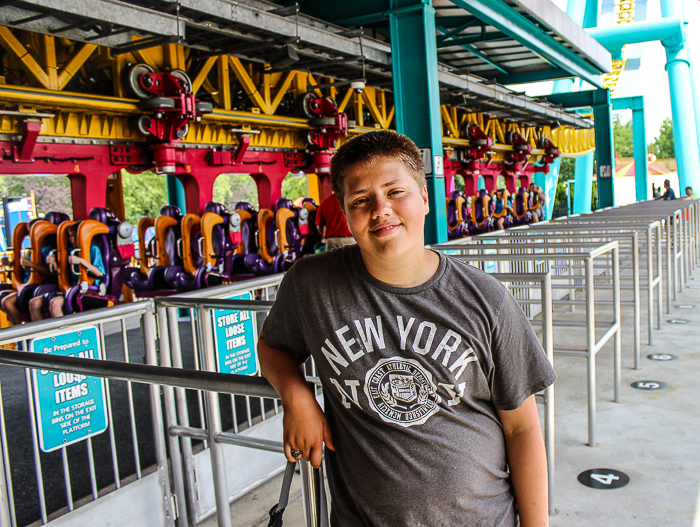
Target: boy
[[429, 367]]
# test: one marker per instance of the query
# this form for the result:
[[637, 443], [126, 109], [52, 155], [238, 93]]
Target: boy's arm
[[528, 462], [82, 261], [26, 262], [305, 425]]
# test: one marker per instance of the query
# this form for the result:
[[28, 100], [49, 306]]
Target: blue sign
[[69, 407], [236, 339]]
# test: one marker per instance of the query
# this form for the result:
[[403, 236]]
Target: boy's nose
[[381, 208]]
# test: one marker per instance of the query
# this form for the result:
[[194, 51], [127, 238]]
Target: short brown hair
[[364, 149]]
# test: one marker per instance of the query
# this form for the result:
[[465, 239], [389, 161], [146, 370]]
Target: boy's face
[[385, 209]]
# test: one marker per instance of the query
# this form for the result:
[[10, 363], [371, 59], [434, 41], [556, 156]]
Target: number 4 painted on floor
[[605, 479]]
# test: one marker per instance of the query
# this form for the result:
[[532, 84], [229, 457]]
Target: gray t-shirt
[[412, 378]]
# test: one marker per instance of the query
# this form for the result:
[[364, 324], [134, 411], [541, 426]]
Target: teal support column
[[641, 166], [583, 184], [683, 106], [585, 14], [604, 150], [176, 194], [417, 99], [639, 140]]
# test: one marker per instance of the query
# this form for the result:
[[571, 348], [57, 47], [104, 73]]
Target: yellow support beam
[[74, 64], [28, 62], [202, 74]]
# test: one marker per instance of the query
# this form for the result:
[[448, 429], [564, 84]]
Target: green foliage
[[622, 134], [51, 193], [232, 188], [662, 147], [294, 186], [459, 183], [144, 194]]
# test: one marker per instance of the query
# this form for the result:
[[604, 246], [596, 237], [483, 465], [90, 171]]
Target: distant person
[[501, 203], [669, 194], [537, 196], [689, 194], [330, 220]]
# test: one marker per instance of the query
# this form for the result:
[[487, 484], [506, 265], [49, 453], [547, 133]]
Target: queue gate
[[76, 426], [208, 478]]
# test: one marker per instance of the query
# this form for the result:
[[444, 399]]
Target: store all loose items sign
[[69, 407], [235, 339]]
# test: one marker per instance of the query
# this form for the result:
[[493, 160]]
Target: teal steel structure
[[599, 100], [685, 109], [176, 193], [639, 139], [417, 99]]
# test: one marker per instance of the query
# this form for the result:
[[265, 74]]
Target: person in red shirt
[[331, 222]]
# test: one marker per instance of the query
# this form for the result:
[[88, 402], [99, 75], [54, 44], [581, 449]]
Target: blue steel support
[[639, 138], [507, 20], [604, 152], [685, 109], [585, 14], [417, 98], [583, 184], [599, 100], [676, 9], [176, 194]]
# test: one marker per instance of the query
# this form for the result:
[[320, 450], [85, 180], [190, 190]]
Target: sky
[[651, 79]]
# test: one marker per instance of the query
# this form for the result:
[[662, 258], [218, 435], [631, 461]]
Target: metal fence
[[587, 254]]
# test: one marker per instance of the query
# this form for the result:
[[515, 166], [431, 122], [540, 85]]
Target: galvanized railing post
[[590, 346], [171, 419], [618, 323], [223, 512], [548, 345], [149, 337]]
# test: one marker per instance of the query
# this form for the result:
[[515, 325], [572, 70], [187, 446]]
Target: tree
[[144, 194], [295, 186], [229, 189], [51, 193], [622, 134], [663, 147]]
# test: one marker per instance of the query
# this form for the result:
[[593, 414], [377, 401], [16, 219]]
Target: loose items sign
[[235, 339], [69, 407]]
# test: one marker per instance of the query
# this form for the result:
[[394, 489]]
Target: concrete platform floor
[[652, 436]]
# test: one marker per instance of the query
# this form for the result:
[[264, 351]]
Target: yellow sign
[[624, 14]]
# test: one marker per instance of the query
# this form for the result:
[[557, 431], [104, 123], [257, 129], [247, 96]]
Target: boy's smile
[[385, 210]]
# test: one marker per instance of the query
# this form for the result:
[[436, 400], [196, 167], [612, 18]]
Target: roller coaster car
[[507, 217], [521, 214], [188, 251], [42, 236], [480, 220], [226, 239], [150, 280], [456, 216], [113, 238]]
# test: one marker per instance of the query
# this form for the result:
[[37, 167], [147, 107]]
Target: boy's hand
[[305, 430]]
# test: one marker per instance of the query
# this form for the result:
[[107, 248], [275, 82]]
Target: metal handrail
[[143, 373]]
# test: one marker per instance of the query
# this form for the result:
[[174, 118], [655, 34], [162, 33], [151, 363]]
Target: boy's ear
[[426, 201]]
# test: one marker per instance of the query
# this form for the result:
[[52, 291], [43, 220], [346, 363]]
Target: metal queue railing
[[211, 384], [544, 282], [647, 253], [681, 228], [155, 485], [190, 487], [587, 253], [629, 260]]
